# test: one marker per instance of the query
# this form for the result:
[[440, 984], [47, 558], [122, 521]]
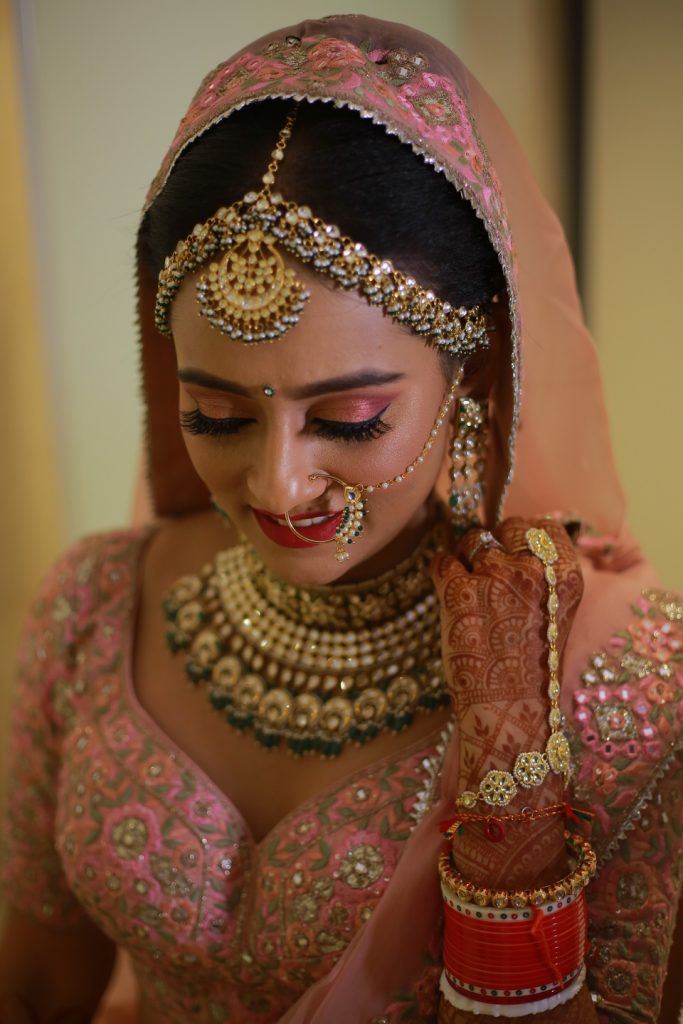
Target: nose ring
[[351, 524]]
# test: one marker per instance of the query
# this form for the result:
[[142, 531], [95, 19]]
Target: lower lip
[[283, 536]]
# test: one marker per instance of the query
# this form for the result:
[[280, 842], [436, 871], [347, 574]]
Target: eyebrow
[[348, 382]]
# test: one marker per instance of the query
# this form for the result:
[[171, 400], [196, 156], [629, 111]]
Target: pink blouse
[[108, 818]]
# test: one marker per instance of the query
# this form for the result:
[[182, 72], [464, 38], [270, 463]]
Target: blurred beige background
[[90, 95]]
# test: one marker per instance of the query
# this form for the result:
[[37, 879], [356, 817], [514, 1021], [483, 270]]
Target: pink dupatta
[[415, 88]]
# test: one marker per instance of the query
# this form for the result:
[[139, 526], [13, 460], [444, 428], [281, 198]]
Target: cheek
[[404, 447], [392, 507], [212, 462]]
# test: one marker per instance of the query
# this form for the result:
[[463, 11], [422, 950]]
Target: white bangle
[[511, 1009]]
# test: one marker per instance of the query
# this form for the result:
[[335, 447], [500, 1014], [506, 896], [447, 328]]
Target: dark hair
[[352, 174]]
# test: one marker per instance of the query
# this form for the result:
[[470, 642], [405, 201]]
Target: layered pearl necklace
[[314, 668]]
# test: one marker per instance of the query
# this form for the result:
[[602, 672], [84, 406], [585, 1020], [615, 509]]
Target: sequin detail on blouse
[[106, 819], [629, 712]]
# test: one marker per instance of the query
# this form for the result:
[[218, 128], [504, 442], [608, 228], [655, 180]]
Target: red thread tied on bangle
[[494, 825], [508, 960]]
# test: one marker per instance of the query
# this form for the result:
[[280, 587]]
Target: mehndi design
[[498, 788]]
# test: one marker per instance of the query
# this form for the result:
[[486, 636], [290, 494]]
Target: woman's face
[[355, 396]]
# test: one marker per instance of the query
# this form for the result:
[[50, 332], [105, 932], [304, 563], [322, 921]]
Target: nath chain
[[355, 503]]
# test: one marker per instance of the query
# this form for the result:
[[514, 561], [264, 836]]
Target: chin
[[304, 568], [311, 566]]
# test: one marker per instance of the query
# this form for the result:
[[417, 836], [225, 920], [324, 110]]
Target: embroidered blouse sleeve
[[30, 867], [629, 711]]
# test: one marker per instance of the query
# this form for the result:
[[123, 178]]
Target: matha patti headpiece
[[248, 293]]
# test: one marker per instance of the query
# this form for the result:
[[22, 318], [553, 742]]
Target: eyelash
[[196, 422]]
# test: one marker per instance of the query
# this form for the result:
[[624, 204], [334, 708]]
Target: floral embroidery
[[632, 890], [362, 866], [626, 709], [628, 714], [420, 1005], [129, 837], [393, 85], [615, 721], [398, 65], [436, 107], [218, 928], [289, 51]]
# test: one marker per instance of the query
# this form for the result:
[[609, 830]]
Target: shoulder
[[84, 581], [97, 562], [624, 613]]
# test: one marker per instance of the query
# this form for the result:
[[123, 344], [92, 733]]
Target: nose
[[279, 477]]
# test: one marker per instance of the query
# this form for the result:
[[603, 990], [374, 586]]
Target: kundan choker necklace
[[313, 668]]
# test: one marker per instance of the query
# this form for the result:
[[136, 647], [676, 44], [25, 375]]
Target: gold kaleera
[[498, 788]]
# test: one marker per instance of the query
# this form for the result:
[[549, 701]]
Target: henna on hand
[[495, 646], [527, 854], [494, 629], [494, 615]]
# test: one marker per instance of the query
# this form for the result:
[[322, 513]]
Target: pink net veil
[[550, 446]]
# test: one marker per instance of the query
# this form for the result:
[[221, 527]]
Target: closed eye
[[195, 422], [359, 430]]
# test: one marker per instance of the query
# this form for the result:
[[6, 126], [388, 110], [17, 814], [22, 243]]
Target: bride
[[380, 720]]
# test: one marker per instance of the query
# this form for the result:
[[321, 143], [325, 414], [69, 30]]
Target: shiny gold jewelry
[[248, 293], [351, 525], [455, 885], [557, 748], [311, 668], [468, 459], [355, 504], [498, 788]]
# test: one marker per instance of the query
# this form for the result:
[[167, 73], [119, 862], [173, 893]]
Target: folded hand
[[494, 637]]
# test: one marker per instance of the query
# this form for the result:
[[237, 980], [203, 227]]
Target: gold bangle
[[483, 896]]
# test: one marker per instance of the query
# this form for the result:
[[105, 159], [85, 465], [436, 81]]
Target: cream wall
[[634, 226], [31, 516], [517, 50]]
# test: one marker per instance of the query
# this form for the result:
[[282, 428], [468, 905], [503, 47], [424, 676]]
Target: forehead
[[338, 331]]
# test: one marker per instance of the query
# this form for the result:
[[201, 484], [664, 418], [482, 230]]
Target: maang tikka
[[248, 293]]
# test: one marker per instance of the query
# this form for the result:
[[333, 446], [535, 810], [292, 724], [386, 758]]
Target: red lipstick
[[323, 527]]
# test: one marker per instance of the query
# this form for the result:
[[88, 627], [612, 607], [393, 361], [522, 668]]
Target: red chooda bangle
[[513, 956]]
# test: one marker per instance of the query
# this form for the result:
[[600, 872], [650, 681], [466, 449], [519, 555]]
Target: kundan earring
[[468, 457]]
